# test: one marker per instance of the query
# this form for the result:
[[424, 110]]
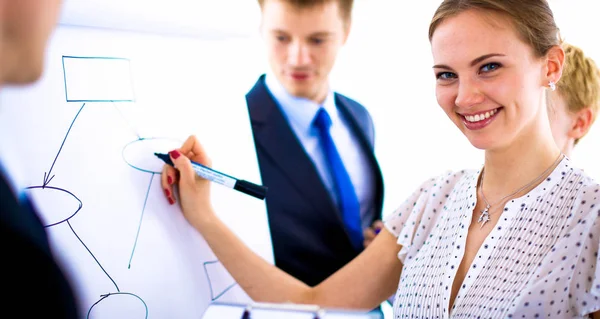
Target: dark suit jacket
[[309, 238], [33, 284]]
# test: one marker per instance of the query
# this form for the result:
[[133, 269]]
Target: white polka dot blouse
[[540, 261]]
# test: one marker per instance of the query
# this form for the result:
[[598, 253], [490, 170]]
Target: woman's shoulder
[[587, 187], [438, 188], [419, 211], [450, 179], [587, 202]]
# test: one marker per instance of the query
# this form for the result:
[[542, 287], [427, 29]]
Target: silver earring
[[552, 85]]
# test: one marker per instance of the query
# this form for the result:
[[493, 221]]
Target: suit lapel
[[274, 136], [356, 121], [359, 127]]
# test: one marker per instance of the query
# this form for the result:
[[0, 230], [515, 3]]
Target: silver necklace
[[485, 214]]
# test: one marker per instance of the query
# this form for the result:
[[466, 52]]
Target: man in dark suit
[[34, 286], [315, 147]]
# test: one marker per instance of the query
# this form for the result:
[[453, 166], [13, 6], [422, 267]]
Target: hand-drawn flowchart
[[82, 74]]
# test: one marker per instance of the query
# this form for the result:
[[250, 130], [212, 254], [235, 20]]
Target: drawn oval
[[54, 205], [139, 154], [119, 305]]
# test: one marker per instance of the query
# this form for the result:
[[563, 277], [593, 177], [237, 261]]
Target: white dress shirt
[[540, 260], [300, 113]]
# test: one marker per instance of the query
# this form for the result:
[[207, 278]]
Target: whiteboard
[[83, 138]]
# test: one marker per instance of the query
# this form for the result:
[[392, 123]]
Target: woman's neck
[[525, 160]]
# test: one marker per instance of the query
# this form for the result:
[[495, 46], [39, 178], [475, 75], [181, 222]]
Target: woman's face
[[488, 80]]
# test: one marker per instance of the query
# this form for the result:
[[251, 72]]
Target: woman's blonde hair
[[579, 84]]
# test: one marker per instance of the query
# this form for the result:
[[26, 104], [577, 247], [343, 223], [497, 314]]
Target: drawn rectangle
[[97, 79]]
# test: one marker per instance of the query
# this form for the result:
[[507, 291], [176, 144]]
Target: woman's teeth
[[481, 117]]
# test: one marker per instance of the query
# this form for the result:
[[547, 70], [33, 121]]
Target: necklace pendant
[[484, 217]]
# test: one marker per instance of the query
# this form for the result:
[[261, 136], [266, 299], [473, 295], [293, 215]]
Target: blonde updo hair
[[579, 84]]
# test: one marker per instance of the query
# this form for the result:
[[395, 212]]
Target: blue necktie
[[347, 199]]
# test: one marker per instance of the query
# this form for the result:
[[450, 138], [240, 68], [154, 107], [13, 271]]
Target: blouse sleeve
[[595, 289], [585, 290], [585, 287], [403, 222]]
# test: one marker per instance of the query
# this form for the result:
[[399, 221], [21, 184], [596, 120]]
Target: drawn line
[[65, 79], [62, 190], [65, 57], [94, 57], [96, 259], [145, 139], [99, 101], [126, 121], [222, 293], [117, 293], [212, 296], [46, 181], [137, 235]]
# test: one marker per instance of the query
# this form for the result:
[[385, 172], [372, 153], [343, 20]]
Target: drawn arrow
[[48, 175]]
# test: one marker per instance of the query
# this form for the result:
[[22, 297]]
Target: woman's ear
[[555, 59], [582, 122]]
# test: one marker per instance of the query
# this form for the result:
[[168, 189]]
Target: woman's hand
[[194, 191], [370, 233]]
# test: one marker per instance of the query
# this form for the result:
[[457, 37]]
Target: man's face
[[302, 45], [25, 26]]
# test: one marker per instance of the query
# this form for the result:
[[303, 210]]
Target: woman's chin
[[482, 143]]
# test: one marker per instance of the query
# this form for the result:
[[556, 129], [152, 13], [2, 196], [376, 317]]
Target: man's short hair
[[344, 5]]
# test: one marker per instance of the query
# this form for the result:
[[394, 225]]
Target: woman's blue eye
[[446, 75], [490, 67]]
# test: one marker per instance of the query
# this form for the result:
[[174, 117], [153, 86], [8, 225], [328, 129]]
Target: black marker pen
[[243, 186]]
